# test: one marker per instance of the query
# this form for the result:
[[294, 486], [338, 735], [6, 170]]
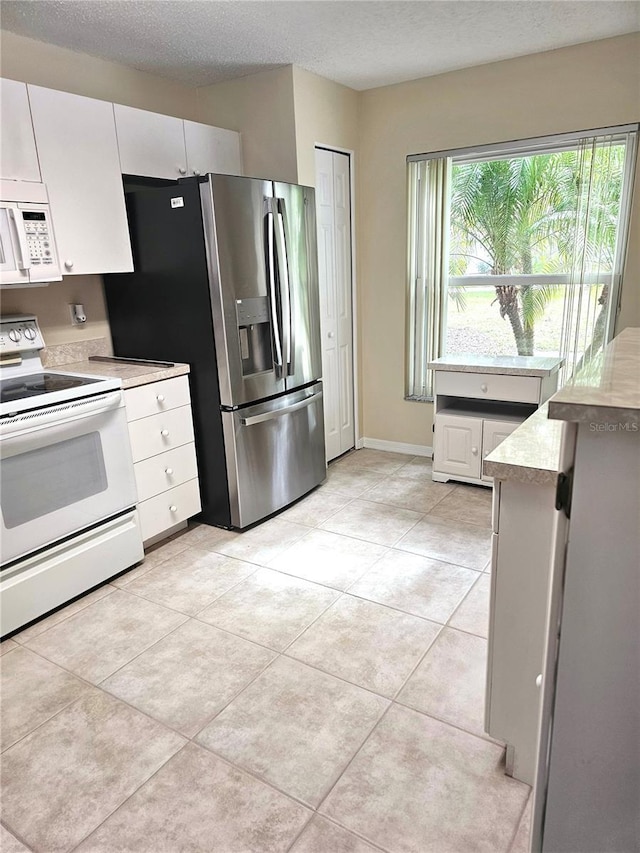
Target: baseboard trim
[[397, 447]]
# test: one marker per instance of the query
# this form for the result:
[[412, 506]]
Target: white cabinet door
[[150, 144], [212, 149], [494, 432], [78, 152], [457, 445], [19, 161]]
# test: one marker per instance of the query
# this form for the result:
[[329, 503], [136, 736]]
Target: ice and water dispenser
[[254, 331]]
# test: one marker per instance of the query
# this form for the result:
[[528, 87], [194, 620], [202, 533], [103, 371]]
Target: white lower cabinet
[[458, 440], [165, 471], [163, 512], [164, 456], [475, 410]]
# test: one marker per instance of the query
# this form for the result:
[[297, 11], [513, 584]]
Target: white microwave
[[28, 253]]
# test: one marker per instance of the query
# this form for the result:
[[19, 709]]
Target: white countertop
[[515, 365], [607, 390], [531, 454]]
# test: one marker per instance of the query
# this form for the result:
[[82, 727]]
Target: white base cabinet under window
[[478, 403], [164, 456]]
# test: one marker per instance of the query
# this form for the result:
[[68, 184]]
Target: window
[[517, 249]]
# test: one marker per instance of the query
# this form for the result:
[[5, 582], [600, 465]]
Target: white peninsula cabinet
[[160, 146], [479, 401], [78, 153], [164, 456], [526, 469], [19, 160]]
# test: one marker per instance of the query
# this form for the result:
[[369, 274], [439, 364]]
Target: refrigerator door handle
[[285, 290], [270, 259], [276, 413]]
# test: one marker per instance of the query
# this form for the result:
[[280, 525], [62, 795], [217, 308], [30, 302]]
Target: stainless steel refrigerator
[[226, 279]]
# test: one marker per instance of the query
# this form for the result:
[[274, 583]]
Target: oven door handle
[[59, 415]]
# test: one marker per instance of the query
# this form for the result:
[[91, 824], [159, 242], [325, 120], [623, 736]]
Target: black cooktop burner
[[39, 383]]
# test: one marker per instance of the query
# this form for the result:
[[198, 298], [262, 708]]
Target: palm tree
[[504, 211]]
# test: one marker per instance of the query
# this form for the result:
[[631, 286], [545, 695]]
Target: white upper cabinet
[[150, 144], [212, 149], [18, 157], [78, 152]]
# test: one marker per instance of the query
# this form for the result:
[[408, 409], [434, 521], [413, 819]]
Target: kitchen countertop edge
[[131, 375], [531, 454]]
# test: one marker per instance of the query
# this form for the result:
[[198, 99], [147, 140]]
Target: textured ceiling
[[360, 43]]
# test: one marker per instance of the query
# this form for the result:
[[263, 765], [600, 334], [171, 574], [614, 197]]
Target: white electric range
[[68, 491]]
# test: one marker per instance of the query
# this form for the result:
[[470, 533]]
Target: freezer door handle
[[270, 259], [285, 290], [276, 413]]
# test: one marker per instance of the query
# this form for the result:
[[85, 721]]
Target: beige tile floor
[[315, 685]]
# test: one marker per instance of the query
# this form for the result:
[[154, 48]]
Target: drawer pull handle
[[484, 387], [474, 450], [164, 432], [160, 398], [539, 681], [168, 471], [173, 508]]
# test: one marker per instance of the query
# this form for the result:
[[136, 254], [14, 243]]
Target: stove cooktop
[[36, 384]]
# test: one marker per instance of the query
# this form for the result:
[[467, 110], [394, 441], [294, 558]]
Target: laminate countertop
[[131, 375], [514, 365], [531, 454], [606, 392]]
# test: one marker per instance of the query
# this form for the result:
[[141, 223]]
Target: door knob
[[330, 335], [474, 450], [164, 432]]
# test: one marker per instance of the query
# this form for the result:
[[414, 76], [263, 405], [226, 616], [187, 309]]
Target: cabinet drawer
[[488, 386], [166, 470], [159, 433], [156, 397], [169, 508]]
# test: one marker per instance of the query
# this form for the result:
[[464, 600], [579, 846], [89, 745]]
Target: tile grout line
[[16, 835], [519, 821], [278, 654], [126, 800]]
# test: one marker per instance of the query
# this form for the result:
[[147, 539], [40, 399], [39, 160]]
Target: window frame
[[627, 134]]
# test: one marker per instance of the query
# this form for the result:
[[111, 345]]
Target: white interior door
[[333, 202]]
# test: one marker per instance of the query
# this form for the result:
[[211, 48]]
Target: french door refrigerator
[[226, 279]]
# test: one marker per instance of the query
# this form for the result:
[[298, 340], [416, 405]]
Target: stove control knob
[[15, 335], [30, 333]]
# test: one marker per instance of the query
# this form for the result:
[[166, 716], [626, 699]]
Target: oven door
[[63, 469]]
